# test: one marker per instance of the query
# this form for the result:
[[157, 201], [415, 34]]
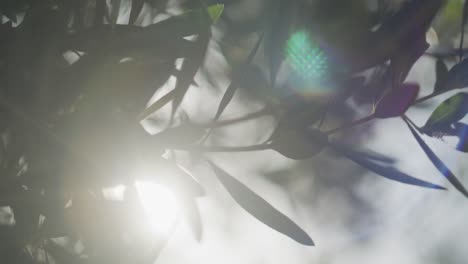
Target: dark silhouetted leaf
[[458, 130], [381, 168], [189, 68], [232, 88], [114, 11], [137, 5], [457, 77], [441, 75], [448, 112], [298, 143], [261, 209], [441, 167], [397, 101]]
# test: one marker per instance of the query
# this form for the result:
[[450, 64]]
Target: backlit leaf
[[397, 101], [261, 209], [448, 112], [440, 166], [298, 143], [381, 168]]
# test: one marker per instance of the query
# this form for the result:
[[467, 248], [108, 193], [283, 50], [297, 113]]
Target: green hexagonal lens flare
[[306, 57]]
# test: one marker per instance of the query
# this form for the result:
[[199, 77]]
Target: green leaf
[[189, 23], [215, 12], [261, 209], [448, 112]]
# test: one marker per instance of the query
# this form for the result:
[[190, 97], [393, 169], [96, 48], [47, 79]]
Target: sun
[[160, 205]]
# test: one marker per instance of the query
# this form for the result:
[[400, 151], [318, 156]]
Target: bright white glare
[[159, 204]]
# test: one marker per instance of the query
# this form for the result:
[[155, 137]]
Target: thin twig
[[350, 125]]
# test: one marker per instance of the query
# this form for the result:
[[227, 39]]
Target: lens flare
[[159, 204], [306, 57]]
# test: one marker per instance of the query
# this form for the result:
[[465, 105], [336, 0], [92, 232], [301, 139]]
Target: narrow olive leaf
[[365, 153], [156, 105], [192, 216], [441, 167], [457, 76], [298, 143], [232, 88], [448, 112], [190, 68], [382, 168], [397, 101], [137, 6], [261, 209], [441, 75]]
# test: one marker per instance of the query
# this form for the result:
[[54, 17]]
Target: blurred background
[[352, 215]]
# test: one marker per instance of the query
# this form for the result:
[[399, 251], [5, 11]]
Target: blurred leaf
[[190, 68], [174, 176], [137, 6], [183, 135], [114, 11], [278, 35], [441, 75], [395, 33], [298, 143], [381, 167], [60, 254], [448, 112], [234, 85], [441, 167], [397, 101], [189, 23], [261, 209]]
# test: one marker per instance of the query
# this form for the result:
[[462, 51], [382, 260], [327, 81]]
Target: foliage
[[73, 127]]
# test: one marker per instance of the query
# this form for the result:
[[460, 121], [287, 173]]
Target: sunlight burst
[[159, 204]]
